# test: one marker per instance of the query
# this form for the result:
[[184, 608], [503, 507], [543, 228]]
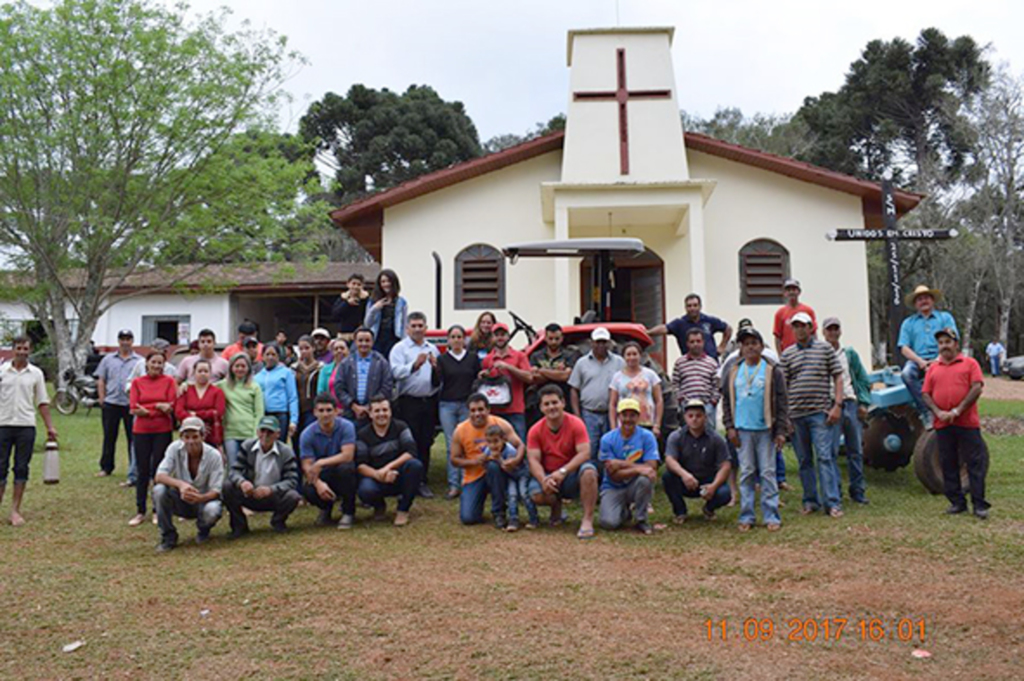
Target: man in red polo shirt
[[515, 366], [783, 327], [952, 387]]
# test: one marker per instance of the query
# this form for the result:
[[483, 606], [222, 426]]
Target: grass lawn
[[437, 600]]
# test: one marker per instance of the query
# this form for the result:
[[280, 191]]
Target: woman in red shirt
[[151, 402], [205, 400]]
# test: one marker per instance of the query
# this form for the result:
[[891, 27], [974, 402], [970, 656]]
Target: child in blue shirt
[[518, 479]]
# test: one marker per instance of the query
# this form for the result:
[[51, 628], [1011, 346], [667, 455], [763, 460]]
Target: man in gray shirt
[[590, 381], [264, 477], [112, 376], [188, 484]]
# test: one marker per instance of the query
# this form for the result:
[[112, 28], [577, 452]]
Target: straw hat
[[920, 291]]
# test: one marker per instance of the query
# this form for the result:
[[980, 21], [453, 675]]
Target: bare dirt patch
[[1003, 389]]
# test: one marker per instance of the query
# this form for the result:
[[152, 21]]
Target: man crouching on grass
[[952, 387], [558, 448], [188, 484]]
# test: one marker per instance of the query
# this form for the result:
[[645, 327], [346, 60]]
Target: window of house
[[479, 278], [172, 328], [764, 266]]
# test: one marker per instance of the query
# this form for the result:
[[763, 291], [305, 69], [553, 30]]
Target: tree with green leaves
[[900, 111], [500, 142], [376, 139], [134, 140], [784, 134]]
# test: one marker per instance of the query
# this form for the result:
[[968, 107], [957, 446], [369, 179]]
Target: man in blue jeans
[[917, 343], [697, 464], [755, 412], [811, 368], [386, 462], [856, 400], [590, 380]]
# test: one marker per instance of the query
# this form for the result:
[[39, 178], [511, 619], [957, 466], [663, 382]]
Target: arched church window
[[764, 266], [479, 278]]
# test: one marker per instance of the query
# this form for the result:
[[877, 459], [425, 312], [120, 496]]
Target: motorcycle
[[78, 390]]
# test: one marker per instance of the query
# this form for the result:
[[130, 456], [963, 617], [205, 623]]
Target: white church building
[[724, 221]]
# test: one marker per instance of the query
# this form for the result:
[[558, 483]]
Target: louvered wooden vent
[[479, 278], [764, 266]]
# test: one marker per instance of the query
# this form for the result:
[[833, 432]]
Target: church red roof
[[365, 212]]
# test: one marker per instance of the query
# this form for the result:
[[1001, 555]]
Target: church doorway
[[639, 294]]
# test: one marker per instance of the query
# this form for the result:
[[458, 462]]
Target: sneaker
[[452, 493], [324, 519], [346, 522], [401, 519], [532, 525], [500, 522], [863, 501], [643, 527], [126, 483], [954, 509], [165, 546], [425, 492], [380, 512], [709, 513], [279, 528], [238, 533], [679, 519], [513, 526], [137, 520], [203, 536], [981, 513], [157, 522]]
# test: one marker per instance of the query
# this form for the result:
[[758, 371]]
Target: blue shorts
[[570, 486]]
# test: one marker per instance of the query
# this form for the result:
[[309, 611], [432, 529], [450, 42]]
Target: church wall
[[498, 209], [750, 203]]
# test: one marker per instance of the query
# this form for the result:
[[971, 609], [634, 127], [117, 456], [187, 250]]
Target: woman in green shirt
[[244, 401]]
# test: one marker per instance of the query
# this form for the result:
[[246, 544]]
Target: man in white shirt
[[413, 363], [188, 484], [22, 391]]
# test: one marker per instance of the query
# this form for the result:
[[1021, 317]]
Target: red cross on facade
[[622, 95]]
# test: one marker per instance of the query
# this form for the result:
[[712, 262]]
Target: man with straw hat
[[918, 345]]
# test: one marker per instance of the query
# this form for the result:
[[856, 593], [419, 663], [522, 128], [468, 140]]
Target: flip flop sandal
[[585, 534]]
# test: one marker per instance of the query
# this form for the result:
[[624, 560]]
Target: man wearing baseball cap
[[321, 345], [188, 484], [514, 366], [918, 345], [814, 380], [952, 387], [783, 330], [113, 375], [856, 400], [590, 380], [264, 477], [696, 464], [755, 412], [630, 458], [246, 330]]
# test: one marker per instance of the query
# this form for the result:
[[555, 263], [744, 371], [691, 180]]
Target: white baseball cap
[[803, 318], [600, 334]]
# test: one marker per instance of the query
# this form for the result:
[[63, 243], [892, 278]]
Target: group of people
[[360, 412]]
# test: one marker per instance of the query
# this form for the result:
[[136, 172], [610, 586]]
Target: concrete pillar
[[563, 297], [698, 270]]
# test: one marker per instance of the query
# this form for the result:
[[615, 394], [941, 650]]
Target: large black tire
[[65, 402], [881, 424], [928, 468]]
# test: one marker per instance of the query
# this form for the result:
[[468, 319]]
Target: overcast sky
[[506, 60]]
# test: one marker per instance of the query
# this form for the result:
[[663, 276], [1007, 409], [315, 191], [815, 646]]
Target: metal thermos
[[51, 463]]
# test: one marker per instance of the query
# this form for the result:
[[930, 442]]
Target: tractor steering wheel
[[522, 325]]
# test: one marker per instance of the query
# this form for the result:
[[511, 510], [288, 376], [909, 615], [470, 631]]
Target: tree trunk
[[972, 308]]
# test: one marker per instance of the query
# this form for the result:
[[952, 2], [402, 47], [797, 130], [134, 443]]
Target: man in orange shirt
[[483, 475], [952, 387], [783, 330], [246, 330]]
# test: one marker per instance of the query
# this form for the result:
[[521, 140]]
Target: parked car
[[1014, 367]]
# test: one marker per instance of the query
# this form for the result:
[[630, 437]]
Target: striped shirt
[[696, 378], [810, 370]]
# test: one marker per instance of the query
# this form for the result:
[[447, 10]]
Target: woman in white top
[[639, 383]]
